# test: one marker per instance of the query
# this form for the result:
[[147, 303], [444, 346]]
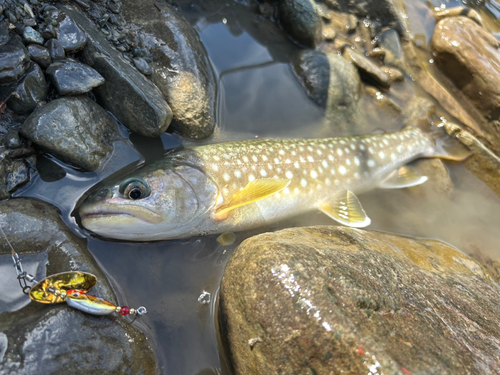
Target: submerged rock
[[368, 70], [331, 82], [127, 94], [30, 91], [14, 59], [470, 57], [71, 77], [181, 68], [74, 129], [42, 339], [310, 300], [301, 20]]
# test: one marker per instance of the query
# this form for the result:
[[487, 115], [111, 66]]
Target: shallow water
[[258, 96]]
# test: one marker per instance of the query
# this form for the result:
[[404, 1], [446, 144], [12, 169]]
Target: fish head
[[147, 204]]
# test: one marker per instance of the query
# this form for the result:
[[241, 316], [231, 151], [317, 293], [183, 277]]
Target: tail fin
[[446, 146]]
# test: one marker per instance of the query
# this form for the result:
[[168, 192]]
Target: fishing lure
[[70, 287]]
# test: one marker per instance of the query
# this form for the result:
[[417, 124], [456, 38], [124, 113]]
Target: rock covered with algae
[[327, 299]]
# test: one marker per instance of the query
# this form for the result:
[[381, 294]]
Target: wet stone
[[56, 49], [4, 33], [389, 41], [301, 20], [309, 300], [71, 37], [367, 68], [30, 91], [143, 66], [18, 175], [331, 82], [71, 77], [190, 93], [145, 112], [14, 60], [74, 129], [30, 35], [40, 55], [37, 334], [49, 32], [12, 140]]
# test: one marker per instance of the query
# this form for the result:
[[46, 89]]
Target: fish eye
[[134, 188]]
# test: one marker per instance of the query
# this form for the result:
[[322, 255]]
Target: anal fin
[[402, 178], [253, 192], [346, 209]]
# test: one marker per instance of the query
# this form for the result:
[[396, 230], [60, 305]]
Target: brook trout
[[239, 185]]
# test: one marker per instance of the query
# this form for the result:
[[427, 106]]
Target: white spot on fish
[[237, 174], [286, 191], [319, 152], [331, 158], [288, 161], [296, 191], [254, 158], [314, 174], [339, 151], [342, 170], [251, 177], [325, 164], [226, 176], [309, 148], [393, 156], [225, 191], [245, 159], [276, 161], [386, 142], [356, 160], [371, 163], [303, 182], [302, 160], [264, 158], [328, 182], [362, 147], [381, 154], [337, 182], [289, 174], [370, 150], [348, 161], [310, 158], [215, 167], [347, 150], [296, 164], [356, 175], [281, 152], [353, 146], [216, 158], [263, 173], [332, 171]]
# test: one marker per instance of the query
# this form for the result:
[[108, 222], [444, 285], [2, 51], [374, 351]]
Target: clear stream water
[[258, 95]]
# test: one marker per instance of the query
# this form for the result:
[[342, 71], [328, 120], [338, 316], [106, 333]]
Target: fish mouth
[[103, 212]]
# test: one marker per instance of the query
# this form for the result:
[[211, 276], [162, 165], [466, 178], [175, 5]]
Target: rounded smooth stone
[[56, 49], [14, 60], [301, 21], [143, 66], [71, 77], [31, 90], [40, 55], [30, 35], [71, 37]]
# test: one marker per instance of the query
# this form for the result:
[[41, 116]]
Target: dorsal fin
[[253, 192]]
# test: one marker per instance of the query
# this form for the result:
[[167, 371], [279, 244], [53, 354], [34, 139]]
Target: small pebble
[[143, 66], [226, 239], [30, 35], [139, 52], [56, 49]]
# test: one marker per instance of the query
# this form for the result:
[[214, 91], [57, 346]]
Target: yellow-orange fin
[[253, 192], [402, 178], [346, 209]]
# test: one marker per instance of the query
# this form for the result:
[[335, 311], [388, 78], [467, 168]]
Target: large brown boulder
[[327, 300]]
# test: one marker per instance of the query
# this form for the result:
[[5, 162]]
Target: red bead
[[124, 310]]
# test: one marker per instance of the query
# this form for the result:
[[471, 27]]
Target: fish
[[240, 185]]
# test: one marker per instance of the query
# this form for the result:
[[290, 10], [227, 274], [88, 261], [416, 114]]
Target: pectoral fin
[[346, 209], [253, 192], [402, 178]]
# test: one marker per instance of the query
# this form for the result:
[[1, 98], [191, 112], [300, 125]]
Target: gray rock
[[131, 97], [4, 33], [143, 66], [30, 35], [390, 42], [18, 175], [49, 32], [300, 19], [71, 37], [75, 129], [368, 70], [331, 82], [71, 77], [190, 92], [16, 162], [390, 13], [40, 55], [14, 60], [30, 91], [56, 49], [12, 140], [309, 300], [58, 339]]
